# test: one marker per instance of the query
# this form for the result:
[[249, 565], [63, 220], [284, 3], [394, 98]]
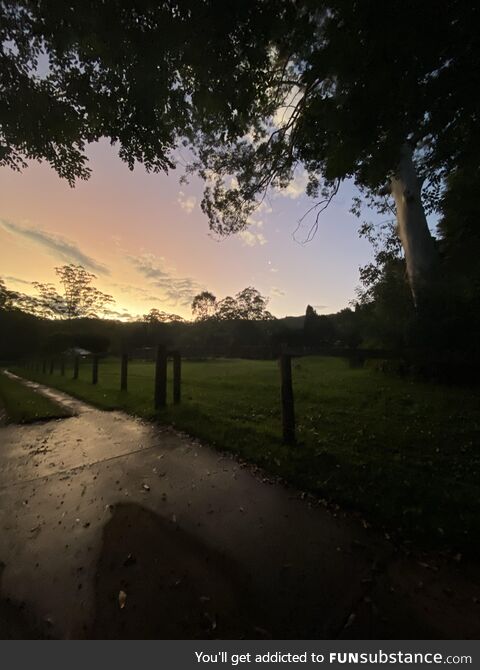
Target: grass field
[[403, 454], [23, 405]]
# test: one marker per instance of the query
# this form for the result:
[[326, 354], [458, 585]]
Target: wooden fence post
[[160, 397], [288, 409], [95, 370], [76, 365], [52, 366], [124, 373], [177, 376], [62, 367], [44, 366]]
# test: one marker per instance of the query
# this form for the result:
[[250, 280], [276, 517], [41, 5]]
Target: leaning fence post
[[288, 409], [177, 376], [124, 372], [95, 370], [76, 365], [160, 398]]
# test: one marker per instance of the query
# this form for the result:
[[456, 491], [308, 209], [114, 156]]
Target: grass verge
[[24, 405], [405, 455]]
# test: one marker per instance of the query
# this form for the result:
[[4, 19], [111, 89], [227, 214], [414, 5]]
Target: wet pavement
[[112, 527]]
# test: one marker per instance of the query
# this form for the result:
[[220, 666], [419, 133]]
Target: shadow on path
[[16, 622], [175, 586]]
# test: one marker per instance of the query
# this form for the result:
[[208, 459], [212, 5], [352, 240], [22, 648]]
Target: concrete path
[[111, 527]]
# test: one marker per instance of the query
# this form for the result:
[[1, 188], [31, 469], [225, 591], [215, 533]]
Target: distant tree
[[20, 334], [156, 316], [58, 342], [326, 332], [227, 309], [3, 295], [387, 250], [10, 300], [247, 305], [318, 329], [204, 306], [309, 325], [7, 297], [47, 304], [96, 343], [348, 328], [385, 309], [78, 299], [252, 305]]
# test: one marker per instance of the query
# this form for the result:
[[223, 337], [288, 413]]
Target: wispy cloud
[[60, 247], [252, 235], [276, 292], [284, 112], [174, 290], [297, 187], [139, 294], [251, 238], [121, 315], [149, 265], [187, 203], [264, 207], [17, 280]]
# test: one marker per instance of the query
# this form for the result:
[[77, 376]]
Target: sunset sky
[[149, 244]]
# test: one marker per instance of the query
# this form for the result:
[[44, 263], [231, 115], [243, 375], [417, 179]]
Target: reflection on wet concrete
[[198, 543]]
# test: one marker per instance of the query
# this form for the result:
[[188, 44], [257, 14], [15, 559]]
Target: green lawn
[[24, 405], [403, 454]]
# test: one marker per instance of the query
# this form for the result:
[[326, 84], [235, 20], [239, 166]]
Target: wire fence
[[89, 367]]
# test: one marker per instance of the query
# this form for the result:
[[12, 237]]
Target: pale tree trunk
[[417, 241]]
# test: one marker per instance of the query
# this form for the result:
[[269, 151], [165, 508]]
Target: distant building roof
[[78, 351]]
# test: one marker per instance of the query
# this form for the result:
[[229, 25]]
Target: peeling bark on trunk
[[417, 241]]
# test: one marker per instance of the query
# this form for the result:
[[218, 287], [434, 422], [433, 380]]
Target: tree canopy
[[354, 83], [256, 89], [204, 306], [78, 297], [157, 316], [146, 75], [247, 305]]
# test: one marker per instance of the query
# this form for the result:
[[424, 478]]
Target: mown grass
[[24, 405], [405, 455]]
